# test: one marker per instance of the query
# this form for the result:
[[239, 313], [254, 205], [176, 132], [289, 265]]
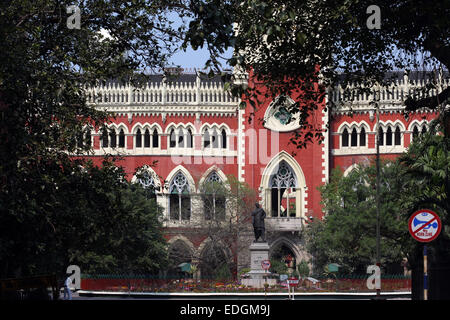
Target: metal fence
[[173, 283]]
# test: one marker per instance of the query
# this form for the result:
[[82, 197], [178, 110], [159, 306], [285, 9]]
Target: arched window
[[88, 137], [415, 132], [213, 197], [179, 199], [283, 183], [180, 138], [189, 139], [121, 139], [345, 138], [113, 139], [148, 183], [354, 138], [224, 139], [206, 139], [147, 139], [397, 136], [138, 138], [389, 136], [362, 137], [215, 139], [155, 139], [424, 129], [380, 136], [79, 139], [173, 139], [104, 138]]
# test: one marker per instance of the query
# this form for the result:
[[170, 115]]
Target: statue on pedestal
[[259, 229]]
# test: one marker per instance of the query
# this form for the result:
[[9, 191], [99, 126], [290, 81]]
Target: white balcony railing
[[284, 224]]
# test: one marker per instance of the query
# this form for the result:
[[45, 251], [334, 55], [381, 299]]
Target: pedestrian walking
[[67, 291]]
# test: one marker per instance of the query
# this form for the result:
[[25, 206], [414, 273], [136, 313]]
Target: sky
[[193, 59]]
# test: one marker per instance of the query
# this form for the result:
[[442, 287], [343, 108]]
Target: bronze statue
[[258, 216]]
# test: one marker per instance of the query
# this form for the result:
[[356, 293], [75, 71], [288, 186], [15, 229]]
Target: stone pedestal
[[259, 251]]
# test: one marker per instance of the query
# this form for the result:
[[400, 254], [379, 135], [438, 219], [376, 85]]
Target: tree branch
[[430, 102]]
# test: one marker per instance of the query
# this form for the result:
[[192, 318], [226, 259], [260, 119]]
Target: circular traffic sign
[[265, 264], [424, 225]]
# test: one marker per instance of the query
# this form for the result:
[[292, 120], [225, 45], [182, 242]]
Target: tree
[[427, 161], [47, 63], [308, 46], [346, 235], [224, 220]]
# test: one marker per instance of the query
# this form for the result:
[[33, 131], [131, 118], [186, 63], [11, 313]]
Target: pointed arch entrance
[[214, 260], [283, 187], [286, 251]]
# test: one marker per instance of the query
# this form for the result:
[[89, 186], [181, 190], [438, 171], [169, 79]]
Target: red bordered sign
[[424, 225]]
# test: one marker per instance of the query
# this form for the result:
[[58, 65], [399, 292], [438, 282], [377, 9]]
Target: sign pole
[[425, 273], [425, 226], [289, 289]]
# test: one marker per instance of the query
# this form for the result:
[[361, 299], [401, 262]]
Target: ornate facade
[[196, 132]]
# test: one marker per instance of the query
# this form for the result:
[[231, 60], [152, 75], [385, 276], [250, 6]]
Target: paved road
[[77, 296]]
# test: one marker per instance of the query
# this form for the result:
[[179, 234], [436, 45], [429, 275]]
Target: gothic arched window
[[224, 139], [282, 184], [389, 136], [104, 138], [121, 139], [155, 139], [147, 139], [345, 138], [206, 139], [213, 197], [354, 138], [380, 136], [397, 136], [138, 138], [173, 139], [113, 139], [180, 138], [415, 132], [215, 139], [88, 137], [148, 183], [179, 199], [362, 137], [189, 139]]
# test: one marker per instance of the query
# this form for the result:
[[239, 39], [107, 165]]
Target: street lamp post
[[377, 140]]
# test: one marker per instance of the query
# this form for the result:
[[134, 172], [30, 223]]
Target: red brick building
[[196, 132]]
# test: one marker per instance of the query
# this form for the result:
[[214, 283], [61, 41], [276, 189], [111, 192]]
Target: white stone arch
[[294, 247], [152, 173], [189, 125], [170, 126], [393, 124], [137, 126], [208, 241], [219, 172], [190, 254], [385, 125], [205, 126], [419, 124], [300, 190], [174, 172], [119, 127], [349, 169], [271, 123], [186, 241]]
